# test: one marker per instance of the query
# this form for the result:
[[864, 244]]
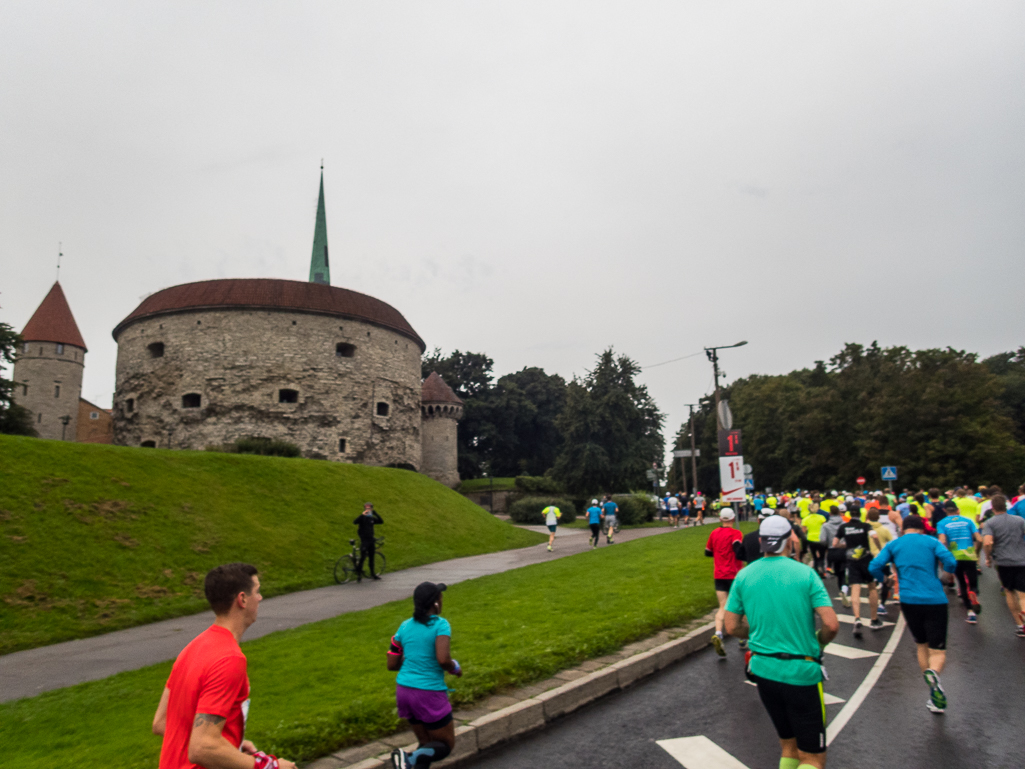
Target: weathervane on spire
[[59, 255]]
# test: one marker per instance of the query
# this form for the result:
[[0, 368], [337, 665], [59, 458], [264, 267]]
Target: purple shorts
[[423, 706]]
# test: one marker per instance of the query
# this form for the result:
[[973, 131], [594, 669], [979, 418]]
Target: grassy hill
[[96, 538]]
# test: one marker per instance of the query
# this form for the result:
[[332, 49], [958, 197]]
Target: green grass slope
[[95, 538]]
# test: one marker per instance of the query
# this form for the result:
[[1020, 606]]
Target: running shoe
[[845, 600], [549, 548], [1020, 631], [933, 709], [876, 624], [399, 759], [972, 618], [742, 644], [857, 628], [973, 599], [936, 693], [717, 643]]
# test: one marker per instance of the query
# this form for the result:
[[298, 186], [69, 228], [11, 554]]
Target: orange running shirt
[[209, 676]]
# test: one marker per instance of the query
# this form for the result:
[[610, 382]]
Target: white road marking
[[848, 652], [848, 710], [891, 602], [849, 619], [699, 753]]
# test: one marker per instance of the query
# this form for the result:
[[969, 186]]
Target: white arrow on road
[[699, 753]]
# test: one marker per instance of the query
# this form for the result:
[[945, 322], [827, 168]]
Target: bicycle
[[345, 567]]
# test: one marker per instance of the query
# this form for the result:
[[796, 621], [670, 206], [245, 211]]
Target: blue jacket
[[915, 557]]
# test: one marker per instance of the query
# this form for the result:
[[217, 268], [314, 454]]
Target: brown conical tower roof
[[53, 322], [436, 391]]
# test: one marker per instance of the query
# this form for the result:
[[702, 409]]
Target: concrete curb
[[534, 713]]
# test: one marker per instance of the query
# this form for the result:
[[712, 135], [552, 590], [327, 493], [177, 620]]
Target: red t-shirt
[[720, 542], [209, 676]]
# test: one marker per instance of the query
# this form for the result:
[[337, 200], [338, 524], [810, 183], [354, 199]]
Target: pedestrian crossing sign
[[889, 473], [749, 484]]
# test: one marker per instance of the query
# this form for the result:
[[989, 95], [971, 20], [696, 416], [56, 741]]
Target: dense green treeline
[[942, 416]]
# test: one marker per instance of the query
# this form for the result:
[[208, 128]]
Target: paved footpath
[[30, 672]]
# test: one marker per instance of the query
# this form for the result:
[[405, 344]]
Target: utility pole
[[693, 453], [713, 356]]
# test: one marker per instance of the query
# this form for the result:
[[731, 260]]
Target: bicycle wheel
[[345, 569], [380, 562]]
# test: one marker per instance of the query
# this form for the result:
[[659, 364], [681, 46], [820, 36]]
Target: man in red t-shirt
[[202, 713], [720, 548]]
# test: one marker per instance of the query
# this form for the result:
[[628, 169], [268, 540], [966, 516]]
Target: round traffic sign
[[861, 480]]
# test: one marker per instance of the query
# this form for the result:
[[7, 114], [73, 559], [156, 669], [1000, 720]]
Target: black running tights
[[595, 531], [967, 576]]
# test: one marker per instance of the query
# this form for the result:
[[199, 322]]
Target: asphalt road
[[33, 671], [706, 696]]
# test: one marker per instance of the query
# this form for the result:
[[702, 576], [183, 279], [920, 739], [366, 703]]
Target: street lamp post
[[65, 421], [713, 356], [693, 453]]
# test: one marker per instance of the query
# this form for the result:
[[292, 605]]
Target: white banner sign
[[731, 478]]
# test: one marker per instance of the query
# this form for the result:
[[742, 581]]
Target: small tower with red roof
[[440, 411], [48, 370]]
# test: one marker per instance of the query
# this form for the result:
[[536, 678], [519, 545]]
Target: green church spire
[[320, 268]]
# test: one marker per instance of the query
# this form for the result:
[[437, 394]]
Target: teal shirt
[[420, 668], [779, 597]]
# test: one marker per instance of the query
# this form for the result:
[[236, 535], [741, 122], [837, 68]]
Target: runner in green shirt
[[780, 598]]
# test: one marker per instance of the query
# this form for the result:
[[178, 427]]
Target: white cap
[[773, 533], [727, 515], [766, 512], [841, 508], [594, 501]]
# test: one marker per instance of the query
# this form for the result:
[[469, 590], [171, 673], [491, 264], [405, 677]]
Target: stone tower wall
[[238, 361], [39, 371], [438, 431]]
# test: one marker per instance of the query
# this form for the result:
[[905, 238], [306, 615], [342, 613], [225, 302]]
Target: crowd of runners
[[911, 547]]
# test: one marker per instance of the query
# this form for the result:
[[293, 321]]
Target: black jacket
[[366, 524], [748, 549]]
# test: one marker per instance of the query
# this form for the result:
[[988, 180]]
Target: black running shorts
[[1012, 577], [724, 585], [796, 711], [857, 572], [927, 623]]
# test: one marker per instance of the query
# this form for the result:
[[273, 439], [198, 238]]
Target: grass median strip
[[324, 686]]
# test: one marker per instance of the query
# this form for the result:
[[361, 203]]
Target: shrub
[[528, 509], [267, 447], [634, 509], [537, 484]]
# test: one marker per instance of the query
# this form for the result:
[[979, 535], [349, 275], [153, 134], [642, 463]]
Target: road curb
[[536, 712]]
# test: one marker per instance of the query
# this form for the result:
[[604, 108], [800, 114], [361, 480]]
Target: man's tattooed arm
[[206, 718]]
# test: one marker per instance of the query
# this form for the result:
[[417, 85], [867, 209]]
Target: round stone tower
[[440, 411], [49, 367], [333, 371]]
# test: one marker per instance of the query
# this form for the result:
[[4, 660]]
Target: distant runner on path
[[202, 713], [726, 566], [610, 510], [594, 516], [552, 515], [780, 598], [961, 536], [923, 601]]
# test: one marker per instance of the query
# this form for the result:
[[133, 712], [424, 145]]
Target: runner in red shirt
[[720, 547], [202, 713]]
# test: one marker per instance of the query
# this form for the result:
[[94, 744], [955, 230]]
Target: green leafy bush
[[537, 484], [635, 509], [266, 447], [528, 509]]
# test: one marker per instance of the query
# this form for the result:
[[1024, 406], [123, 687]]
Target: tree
[[14, 419], [1009, 367], [523, 408], [611, 429], [468, 373]]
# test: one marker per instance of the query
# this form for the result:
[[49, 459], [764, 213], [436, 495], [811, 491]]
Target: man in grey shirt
[[1003, 537]]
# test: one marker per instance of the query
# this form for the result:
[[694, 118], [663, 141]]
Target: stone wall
[[49, 384], [438, 436], [238, 361]]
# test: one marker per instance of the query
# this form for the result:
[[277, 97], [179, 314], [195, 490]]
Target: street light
[[65, 421], [713, 356]]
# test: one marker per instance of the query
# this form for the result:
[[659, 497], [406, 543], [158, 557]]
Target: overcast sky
[[533, 180]]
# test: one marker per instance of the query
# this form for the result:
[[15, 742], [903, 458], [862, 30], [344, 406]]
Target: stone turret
[[48, 370], [440, 411]]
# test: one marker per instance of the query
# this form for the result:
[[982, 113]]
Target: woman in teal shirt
[[421, 653]]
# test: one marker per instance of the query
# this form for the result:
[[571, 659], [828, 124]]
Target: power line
[[656, 365]]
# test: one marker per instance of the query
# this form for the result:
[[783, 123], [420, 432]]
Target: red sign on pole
[[861, 480]]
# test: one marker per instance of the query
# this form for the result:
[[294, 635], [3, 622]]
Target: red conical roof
[[436, 391], [53, 322]]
